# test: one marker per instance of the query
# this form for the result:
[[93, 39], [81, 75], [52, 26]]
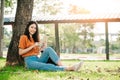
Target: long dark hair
[[35, 36]]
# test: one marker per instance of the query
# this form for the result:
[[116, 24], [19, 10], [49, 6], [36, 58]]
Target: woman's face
[[32, 29]]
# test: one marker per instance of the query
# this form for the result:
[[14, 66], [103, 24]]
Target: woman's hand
[[23, 51], [43, 46], [37, 44]]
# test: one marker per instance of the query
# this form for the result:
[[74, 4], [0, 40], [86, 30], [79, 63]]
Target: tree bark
[[23, 15], [1, 26]]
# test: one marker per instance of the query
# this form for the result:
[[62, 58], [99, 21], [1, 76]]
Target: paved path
[[83, 57], [87, 57]]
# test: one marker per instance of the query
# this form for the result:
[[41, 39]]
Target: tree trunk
[[23, 15], [1, 26]]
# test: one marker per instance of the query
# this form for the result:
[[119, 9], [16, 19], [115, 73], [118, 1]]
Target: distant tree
[[77, 10], [85, 29], [7, 37], [86, 34], [23, 15], [1, 25], [8, 3], [118, 38], [48, 7], [3, 4], [68, 36], [9, 6], [74, 36], [116, 45]]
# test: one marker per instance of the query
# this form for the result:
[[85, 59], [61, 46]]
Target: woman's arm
[[23, 51]]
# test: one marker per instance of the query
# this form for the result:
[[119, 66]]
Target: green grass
[[91, 70]]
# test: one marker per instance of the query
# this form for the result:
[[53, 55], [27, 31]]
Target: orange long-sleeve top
[[25, 43]]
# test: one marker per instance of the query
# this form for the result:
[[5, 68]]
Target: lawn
[[91, 70]]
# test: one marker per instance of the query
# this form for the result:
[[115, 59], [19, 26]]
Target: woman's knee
[[49, 49]]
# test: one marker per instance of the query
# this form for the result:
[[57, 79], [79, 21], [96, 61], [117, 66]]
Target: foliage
[[68, 36], [7, 37], [10, 6], [48, 31], [47, 7], [115, 45], [87, 34], [77, 10], [71, 36], [8, 3], [76, 36]]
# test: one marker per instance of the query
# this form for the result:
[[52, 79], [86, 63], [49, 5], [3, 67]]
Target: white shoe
[[77, 66]]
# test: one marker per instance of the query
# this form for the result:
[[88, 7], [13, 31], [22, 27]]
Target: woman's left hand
[[43, 46]]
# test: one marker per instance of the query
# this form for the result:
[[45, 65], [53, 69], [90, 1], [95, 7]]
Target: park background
[[94, 43], [74, 45]]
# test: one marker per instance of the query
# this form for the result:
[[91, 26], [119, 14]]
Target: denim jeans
[[40, 63]]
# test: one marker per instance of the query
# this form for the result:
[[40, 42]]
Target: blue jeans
[[40, 63]]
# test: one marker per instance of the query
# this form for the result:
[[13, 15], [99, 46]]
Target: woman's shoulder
[[23, 36]]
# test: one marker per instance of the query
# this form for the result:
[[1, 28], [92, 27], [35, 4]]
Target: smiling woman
[[30, 49]]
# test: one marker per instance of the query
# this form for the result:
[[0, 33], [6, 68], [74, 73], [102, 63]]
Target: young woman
[[30, 48]]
